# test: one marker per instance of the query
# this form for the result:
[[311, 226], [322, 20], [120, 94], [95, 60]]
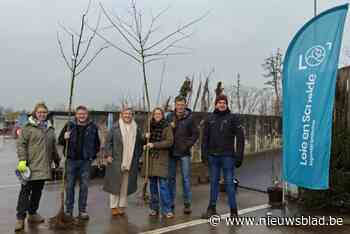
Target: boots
[[19, 225], [187, 208], [233, 213], [115, 211], [210, 212]]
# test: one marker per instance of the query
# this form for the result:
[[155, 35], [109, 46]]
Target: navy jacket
[[220, 133], [91, 141], [185, 134]]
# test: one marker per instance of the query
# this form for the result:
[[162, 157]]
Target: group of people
[[168, 143]]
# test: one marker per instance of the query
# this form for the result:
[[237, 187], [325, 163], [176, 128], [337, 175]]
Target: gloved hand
[[205, 160], [238, 163], [57, 163], [22, 166]]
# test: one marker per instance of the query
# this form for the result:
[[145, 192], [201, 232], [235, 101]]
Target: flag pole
[[315, 7]]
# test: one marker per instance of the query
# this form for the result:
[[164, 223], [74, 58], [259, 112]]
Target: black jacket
[[221, 131], [185, 134], [91, 141]]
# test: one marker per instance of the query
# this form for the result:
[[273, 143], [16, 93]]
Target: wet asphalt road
[[137, 220]]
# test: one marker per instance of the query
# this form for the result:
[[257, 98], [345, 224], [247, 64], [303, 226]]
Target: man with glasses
[[83, 145]]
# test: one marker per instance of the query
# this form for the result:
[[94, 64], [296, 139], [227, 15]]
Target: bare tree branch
[[91, 60], [90, 40], [167, 54], [172, 44], [72, 43], [88, 8], [134, 13], [150, 28], [123, 25], [153, 60], [180, 29], [115, 46], [118, 28], [69, 32], [62, 52], [161, 83], [80, 39]]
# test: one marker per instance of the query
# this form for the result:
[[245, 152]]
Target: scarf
[[157, 130], [37, 123], [156, 134], [129, 132]]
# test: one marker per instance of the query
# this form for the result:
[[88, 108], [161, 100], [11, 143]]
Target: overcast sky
[[235, 37]]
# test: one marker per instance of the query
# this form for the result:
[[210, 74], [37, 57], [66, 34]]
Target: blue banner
[[309, 78]]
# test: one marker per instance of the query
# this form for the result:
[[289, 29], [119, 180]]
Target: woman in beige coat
[[123, 151]]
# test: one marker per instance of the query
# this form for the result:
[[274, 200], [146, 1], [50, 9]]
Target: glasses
[[42, 112]]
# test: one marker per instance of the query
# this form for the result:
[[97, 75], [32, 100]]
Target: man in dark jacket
[[185, 135], [83, 145], [222, 149]]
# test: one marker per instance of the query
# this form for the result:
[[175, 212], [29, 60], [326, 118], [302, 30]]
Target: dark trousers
[[77, 169], [226, 163], [29, 198]]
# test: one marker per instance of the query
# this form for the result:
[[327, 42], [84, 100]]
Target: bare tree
[[253, 100], [219, 89], [166, 105], [205, 99], [273, 71], [80, 45], [237, 93], [186, 88], [161, 84], [199, 90], [143, 48], [190, 94]]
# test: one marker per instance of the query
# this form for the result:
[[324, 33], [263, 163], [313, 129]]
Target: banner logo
[[314, 56]]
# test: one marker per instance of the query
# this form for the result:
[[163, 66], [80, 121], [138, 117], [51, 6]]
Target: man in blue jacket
[[83, 145], [185, 135], [222, 149]]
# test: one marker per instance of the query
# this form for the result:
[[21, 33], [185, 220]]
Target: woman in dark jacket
[[160, 141]]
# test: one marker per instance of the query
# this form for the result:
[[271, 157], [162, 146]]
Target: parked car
[[21, 120]]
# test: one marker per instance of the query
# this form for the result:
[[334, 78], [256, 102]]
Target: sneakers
[[210, 212], [169, 215], [19, 225], [35, 218], [187, 208], [83, 216], [153, 213]]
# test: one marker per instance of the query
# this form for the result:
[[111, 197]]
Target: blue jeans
[[162, 192], [227, 164], [185, 164], [77, 169]]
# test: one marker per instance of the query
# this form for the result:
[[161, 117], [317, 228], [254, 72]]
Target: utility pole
[[315, 8]]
